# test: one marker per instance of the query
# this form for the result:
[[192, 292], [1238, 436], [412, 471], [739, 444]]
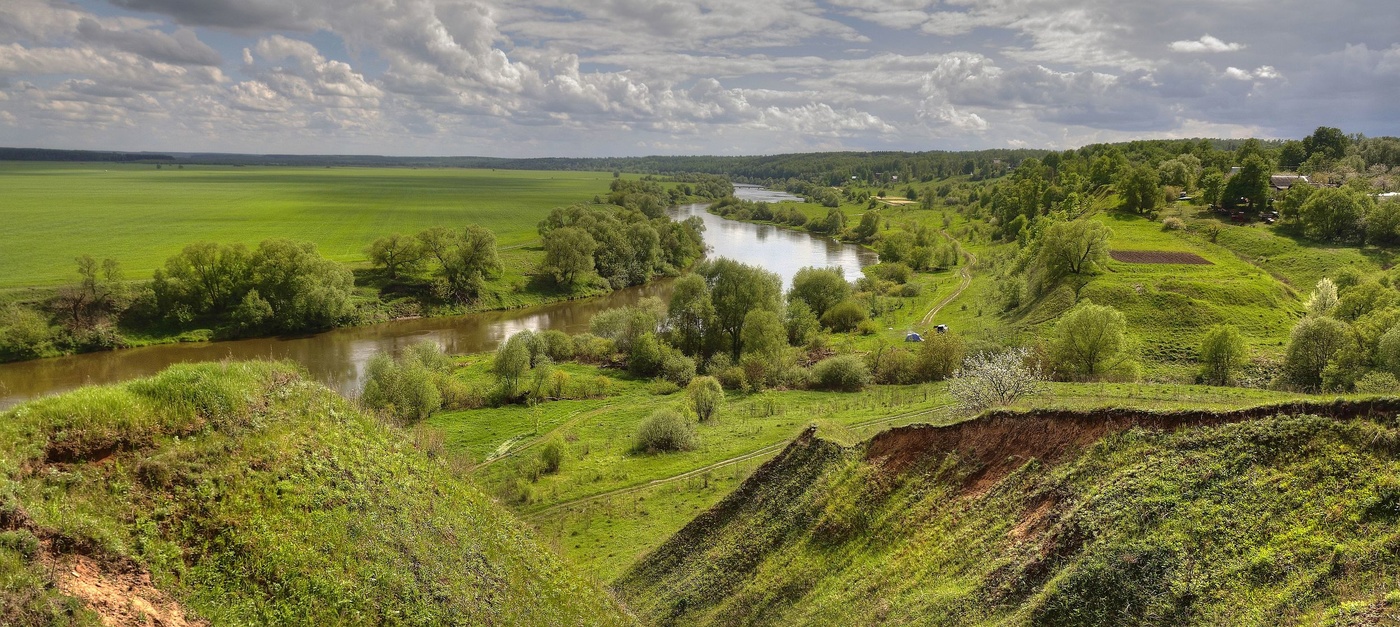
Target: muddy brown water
[[338, 357]]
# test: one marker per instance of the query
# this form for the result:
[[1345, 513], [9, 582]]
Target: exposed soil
[[1158, 256], [998, 443], [121, 597]]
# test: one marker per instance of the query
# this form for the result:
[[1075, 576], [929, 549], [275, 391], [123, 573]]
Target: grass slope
[[253, 496], [1276, 515], [56, 212]]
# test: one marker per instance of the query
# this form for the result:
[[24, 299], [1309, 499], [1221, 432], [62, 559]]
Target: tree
[[1212, 186], [405, 388], [1074, 247], [304, 290], [1140, 189], [1222, 352], [764, 335], [819, 288], [735, 290], [705, 395], [867, 228], [511, 362], [97, 294], [802, 324], [204, 278], [1327, 141], [690, 314], [466, 259], [1333, 214], [1383, 223], [1251, 184], [1323, 298], [1089, 339], [568, 254], [993, 379], [395, 254], [1311, 345]]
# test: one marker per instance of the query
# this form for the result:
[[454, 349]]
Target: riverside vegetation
[[220, 290], [1098, 439]]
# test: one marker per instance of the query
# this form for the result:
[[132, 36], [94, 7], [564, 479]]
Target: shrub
[[1089, 340], [1377, 382], [896, 272], [845, 373], [732, 378], [551, 457], [940, 355], [705, 395], [558, 345], [1222, 353], [802, 324], [844, 316], [1173, 224], [991, 379], [1312, 343], [666, 431], [894, 366], [645, 358], [511, 362], [591, 348], [910, 290], [677, 368], [403, 389]]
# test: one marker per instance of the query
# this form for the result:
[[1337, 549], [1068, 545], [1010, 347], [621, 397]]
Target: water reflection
[[338, 358]]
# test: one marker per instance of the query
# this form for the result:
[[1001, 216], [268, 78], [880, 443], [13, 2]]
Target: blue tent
[[913, 337]]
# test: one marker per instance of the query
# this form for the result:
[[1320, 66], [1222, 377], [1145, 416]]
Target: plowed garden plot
[[1157, 256]]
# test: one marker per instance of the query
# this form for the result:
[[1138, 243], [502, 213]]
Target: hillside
[[1274, 515], [240, 493]]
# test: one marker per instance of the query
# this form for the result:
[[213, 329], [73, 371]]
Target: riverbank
[[338, 357]]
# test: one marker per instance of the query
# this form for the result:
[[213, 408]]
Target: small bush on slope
[[255, 497]]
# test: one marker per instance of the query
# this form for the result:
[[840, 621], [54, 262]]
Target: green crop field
[[139, 215]]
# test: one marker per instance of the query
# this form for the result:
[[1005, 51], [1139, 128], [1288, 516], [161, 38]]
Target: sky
[[574, 78]]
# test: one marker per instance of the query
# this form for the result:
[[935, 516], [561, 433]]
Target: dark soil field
[[1157, 256]]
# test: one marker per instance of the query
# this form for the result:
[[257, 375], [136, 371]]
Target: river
[[338, 357]]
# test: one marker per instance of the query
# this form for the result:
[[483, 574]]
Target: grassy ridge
[[140, 216], [602, 512], [1053, 519], [255, 497]]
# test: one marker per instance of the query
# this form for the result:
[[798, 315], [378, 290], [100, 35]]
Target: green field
[[139, 215]]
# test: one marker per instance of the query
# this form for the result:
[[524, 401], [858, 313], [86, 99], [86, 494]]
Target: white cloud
[[1205, 44]]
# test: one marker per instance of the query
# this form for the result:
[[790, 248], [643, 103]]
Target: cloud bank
[[627, 77]]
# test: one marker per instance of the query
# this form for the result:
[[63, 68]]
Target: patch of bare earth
[[1158, 256], [120, 598]]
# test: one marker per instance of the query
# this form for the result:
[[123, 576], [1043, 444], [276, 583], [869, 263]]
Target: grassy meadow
[[140, 215], [609, 505]]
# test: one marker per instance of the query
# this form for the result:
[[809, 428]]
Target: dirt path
[[512, 450], [966, 272], [767, 450]]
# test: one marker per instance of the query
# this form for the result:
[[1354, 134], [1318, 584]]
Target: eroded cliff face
[[1272, 514]]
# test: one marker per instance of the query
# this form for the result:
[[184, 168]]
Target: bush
[[551, 457], [645, 358], [844, 316], [1222, 353], [895, 366], [910, 290], [732, 378], [845, 373], [991, 379], [591, 348], [895, 272], [705, 395], [1377, 382], [1173, 224], [558, 345], [666, 431], [677, 368], [403, 390], [940, 355]]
